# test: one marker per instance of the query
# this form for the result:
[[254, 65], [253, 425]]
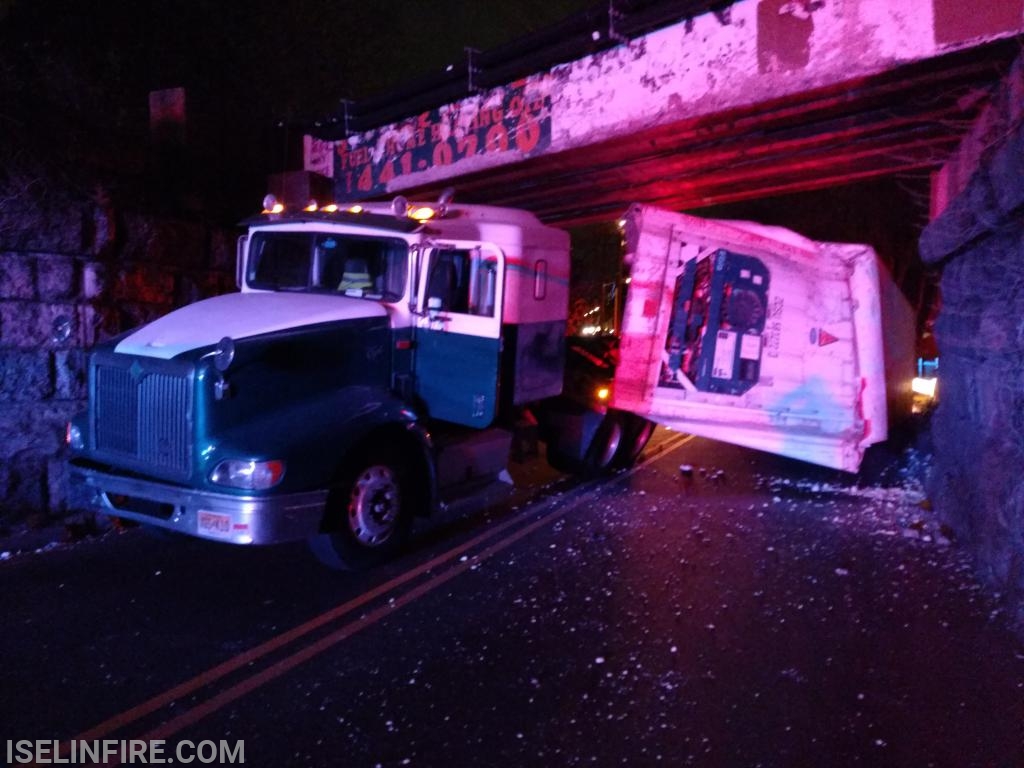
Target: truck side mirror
[[224, 355], [434, 307], [240, 261]]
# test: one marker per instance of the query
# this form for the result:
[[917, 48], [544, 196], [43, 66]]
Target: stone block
[[91, 323], [55, 277], [216, 283], [34, 426], [163, 241], [27, 491], [194, 286], [30, 325], [71, 374], [25, 375], [133, 314], [187, 290], [145, 283], [968, 218], [1006, 172], [151, 312], [17, 324], [95, 280], [56, 480], [223, 251], [98, 322], [16, 276], [102, 240], [56, 228], [183, 244], [136, 235]]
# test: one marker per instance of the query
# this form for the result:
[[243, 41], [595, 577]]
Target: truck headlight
[[250, 475]]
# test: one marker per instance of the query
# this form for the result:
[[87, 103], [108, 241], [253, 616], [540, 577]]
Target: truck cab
[[372, 364]]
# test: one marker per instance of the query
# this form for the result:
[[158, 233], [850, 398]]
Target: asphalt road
[[743, 611]]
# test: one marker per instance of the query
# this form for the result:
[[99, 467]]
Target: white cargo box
[[757, 336]]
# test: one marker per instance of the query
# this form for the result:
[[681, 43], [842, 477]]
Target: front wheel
[[371, 515]]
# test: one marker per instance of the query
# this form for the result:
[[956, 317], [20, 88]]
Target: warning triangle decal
[[824, 337]]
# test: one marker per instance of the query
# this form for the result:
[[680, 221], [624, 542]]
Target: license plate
[[214, 523]]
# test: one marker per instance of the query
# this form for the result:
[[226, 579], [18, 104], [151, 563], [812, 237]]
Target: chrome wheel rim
[[374, 506]]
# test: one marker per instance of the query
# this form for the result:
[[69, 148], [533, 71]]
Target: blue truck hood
[[241, 315]]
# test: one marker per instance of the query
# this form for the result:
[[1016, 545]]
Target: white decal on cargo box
[[824, 337], [773, 331], [725, 355], [750, 346]]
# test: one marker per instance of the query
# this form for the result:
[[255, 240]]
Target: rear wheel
[[371, 513], [600, 456], [636, 434]]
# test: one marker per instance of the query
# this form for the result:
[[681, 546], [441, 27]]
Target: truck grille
[[143, 414]]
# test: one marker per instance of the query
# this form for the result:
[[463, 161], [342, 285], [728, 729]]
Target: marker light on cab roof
[[271, 205], [421, 213]]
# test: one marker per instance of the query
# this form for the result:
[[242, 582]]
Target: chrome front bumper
[[215, 516]]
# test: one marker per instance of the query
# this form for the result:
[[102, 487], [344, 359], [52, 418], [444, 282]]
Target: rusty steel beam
[[770, 175], [794, 143], [754, 161], [699, 158], [590, 214]]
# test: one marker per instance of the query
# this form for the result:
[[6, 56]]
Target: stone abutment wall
[[977, 481], [70, 276]]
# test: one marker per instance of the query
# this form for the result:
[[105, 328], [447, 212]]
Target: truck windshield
[[366, 267]]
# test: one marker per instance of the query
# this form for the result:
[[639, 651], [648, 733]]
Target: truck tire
[[370, 514], [636, 434], [600, 456]]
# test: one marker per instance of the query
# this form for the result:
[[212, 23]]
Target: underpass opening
[[854, 156]]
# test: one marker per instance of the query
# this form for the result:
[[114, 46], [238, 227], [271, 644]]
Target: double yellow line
[[388, 608]]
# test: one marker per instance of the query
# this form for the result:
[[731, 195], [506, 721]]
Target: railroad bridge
[[684, 105], [725, 105]]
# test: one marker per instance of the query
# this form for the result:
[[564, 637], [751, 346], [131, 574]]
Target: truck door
[[458, 332]]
